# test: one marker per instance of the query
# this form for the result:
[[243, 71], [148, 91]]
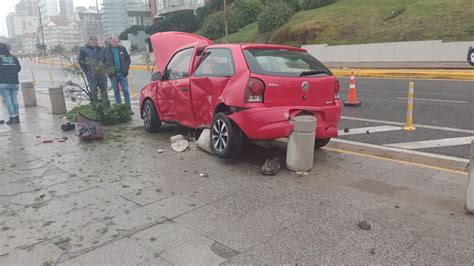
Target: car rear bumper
[[274, 122]]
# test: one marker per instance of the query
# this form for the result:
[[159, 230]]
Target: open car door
[[165, 45]]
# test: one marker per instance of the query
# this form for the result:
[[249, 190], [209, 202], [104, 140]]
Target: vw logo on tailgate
[[305, 86]]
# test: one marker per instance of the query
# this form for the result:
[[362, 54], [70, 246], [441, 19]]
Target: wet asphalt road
[[447, 104]]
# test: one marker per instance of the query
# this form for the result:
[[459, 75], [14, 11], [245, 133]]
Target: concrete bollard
[[58, 102], [300, 149], [469, 206], [29, 94], [204, 141]]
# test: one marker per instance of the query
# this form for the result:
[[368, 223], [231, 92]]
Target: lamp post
[[226, 27], [42, 32]]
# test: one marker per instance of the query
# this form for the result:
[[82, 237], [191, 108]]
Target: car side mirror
[[156, 76]]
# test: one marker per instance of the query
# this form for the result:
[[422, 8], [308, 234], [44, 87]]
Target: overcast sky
[[9, 6]]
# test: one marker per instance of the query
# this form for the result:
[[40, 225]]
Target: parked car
[[240, 91]]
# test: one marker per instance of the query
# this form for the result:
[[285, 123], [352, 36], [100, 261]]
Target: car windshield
[[274, 62]]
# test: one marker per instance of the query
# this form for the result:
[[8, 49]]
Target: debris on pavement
[[301, 173], [372, 251], [271, 166], [204, 175], [204, 141], [48, 141], [161, 150], [178, 143], [364, 225], [68, 126], [346, 130]]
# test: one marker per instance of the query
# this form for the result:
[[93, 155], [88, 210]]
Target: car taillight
[[337, 87], [254, 91]]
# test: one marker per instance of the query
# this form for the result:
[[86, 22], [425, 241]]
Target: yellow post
[[51, 77], [33, 76], [409, 124], [131, 87]]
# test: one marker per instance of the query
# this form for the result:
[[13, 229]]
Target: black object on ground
[[271, 166], [68, 126], [364, 225]]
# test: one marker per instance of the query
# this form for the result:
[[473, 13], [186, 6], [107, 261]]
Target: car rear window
[[274, 62]]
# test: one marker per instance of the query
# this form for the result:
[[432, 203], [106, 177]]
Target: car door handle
[[184, 89]]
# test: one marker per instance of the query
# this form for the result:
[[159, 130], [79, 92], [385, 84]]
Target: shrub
[[274, 16], [114, 115], [184, 21], [213, 27], [310, 4], [250, 10]]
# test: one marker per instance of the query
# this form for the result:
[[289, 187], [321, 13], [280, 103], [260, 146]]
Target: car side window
[[216, 62], [178, 67]]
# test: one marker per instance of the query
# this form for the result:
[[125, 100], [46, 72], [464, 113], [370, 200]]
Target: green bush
[[274, 16], [250, 10], [118, 113], [184, 21], [310, 4]]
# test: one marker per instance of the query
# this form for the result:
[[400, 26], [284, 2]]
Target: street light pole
[[42, 32], [226, 27]]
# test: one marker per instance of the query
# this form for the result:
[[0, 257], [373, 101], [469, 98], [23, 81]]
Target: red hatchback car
[[239, 91]]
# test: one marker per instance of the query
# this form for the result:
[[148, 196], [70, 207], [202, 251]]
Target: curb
[[435, 161], [405, 73], [368, 73]]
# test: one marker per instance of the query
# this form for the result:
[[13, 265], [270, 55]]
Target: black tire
[[319, 143], [227, 140], [151, 121]]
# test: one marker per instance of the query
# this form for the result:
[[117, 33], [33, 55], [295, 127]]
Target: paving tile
[[44, 253], [199, 251], [164, 236], [148, 195], [121, 252]]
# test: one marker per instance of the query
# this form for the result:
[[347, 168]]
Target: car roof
[[245, 46]]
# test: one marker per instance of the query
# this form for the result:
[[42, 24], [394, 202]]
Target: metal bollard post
[[58, 102], [469, 206], [29, 94], [300, 151], [409, 124]]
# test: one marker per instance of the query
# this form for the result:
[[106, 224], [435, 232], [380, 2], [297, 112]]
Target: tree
[[273, 16], [184, 21], [58, 49], [133, 29]]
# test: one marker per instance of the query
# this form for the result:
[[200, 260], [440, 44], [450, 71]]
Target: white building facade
[[67, 33]]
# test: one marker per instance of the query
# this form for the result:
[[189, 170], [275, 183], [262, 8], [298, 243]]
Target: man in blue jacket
[[90, 59], [9, 69], [118, 60]]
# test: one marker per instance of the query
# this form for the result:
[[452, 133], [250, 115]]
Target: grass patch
[[373, 21], [116, 114]]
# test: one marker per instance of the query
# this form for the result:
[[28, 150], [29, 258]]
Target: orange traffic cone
[[352, 98]]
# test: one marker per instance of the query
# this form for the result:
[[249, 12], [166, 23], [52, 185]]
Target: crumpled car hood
[[165, 45]]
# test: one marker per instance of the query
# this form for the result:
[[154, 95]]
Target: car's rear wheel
[[319, 143], [151, 120], [227, 139]]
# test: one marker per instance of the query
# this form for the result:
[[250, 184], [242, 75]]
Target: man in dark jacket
[[470, 56], [90, 60], [9, 69], [116, 58]]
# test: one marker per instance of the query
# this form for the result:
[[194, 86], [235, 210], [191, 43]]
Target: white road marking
[[435, 143], [364, 130], [416, 125], [432, 100]]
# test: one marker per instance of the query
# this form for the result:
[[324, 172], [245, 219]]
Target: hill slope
[[369, 21]]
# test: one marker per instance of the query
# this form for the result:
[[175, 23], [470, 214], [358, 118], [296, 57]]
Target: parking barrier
[[33, 78], [469, 206], [51, 80], [409, 121], [300, 149], [131, 87], [352, 97]]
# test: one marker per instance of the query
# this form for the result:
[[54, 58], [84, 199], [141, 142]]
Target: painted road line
[[432, 143], [402, 124], [432, 100], [365, 130]]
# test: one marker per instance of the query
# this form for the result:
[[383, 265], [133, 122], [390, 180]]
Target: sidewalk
[[120, 202]]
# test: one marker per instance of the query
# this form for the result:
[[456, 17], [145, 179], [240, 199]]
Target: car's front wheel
[[226, 137], [319, 143], [151, 121]]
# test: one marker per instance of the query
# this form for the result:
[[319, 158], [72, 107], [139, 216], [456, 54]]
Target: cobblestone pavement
[[121, 202]]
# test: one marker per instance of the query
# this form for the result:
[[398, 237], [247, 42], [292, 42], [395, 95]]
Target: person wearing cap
[[9, 69], [117, 58], [90, 58]]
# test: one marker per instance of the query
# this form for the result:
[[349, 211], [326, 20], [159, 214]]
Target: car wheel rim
[[147, 116], [220, 135]]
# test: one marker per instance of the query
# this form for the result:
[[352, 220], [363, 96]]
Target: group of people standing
[[115, 59]]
